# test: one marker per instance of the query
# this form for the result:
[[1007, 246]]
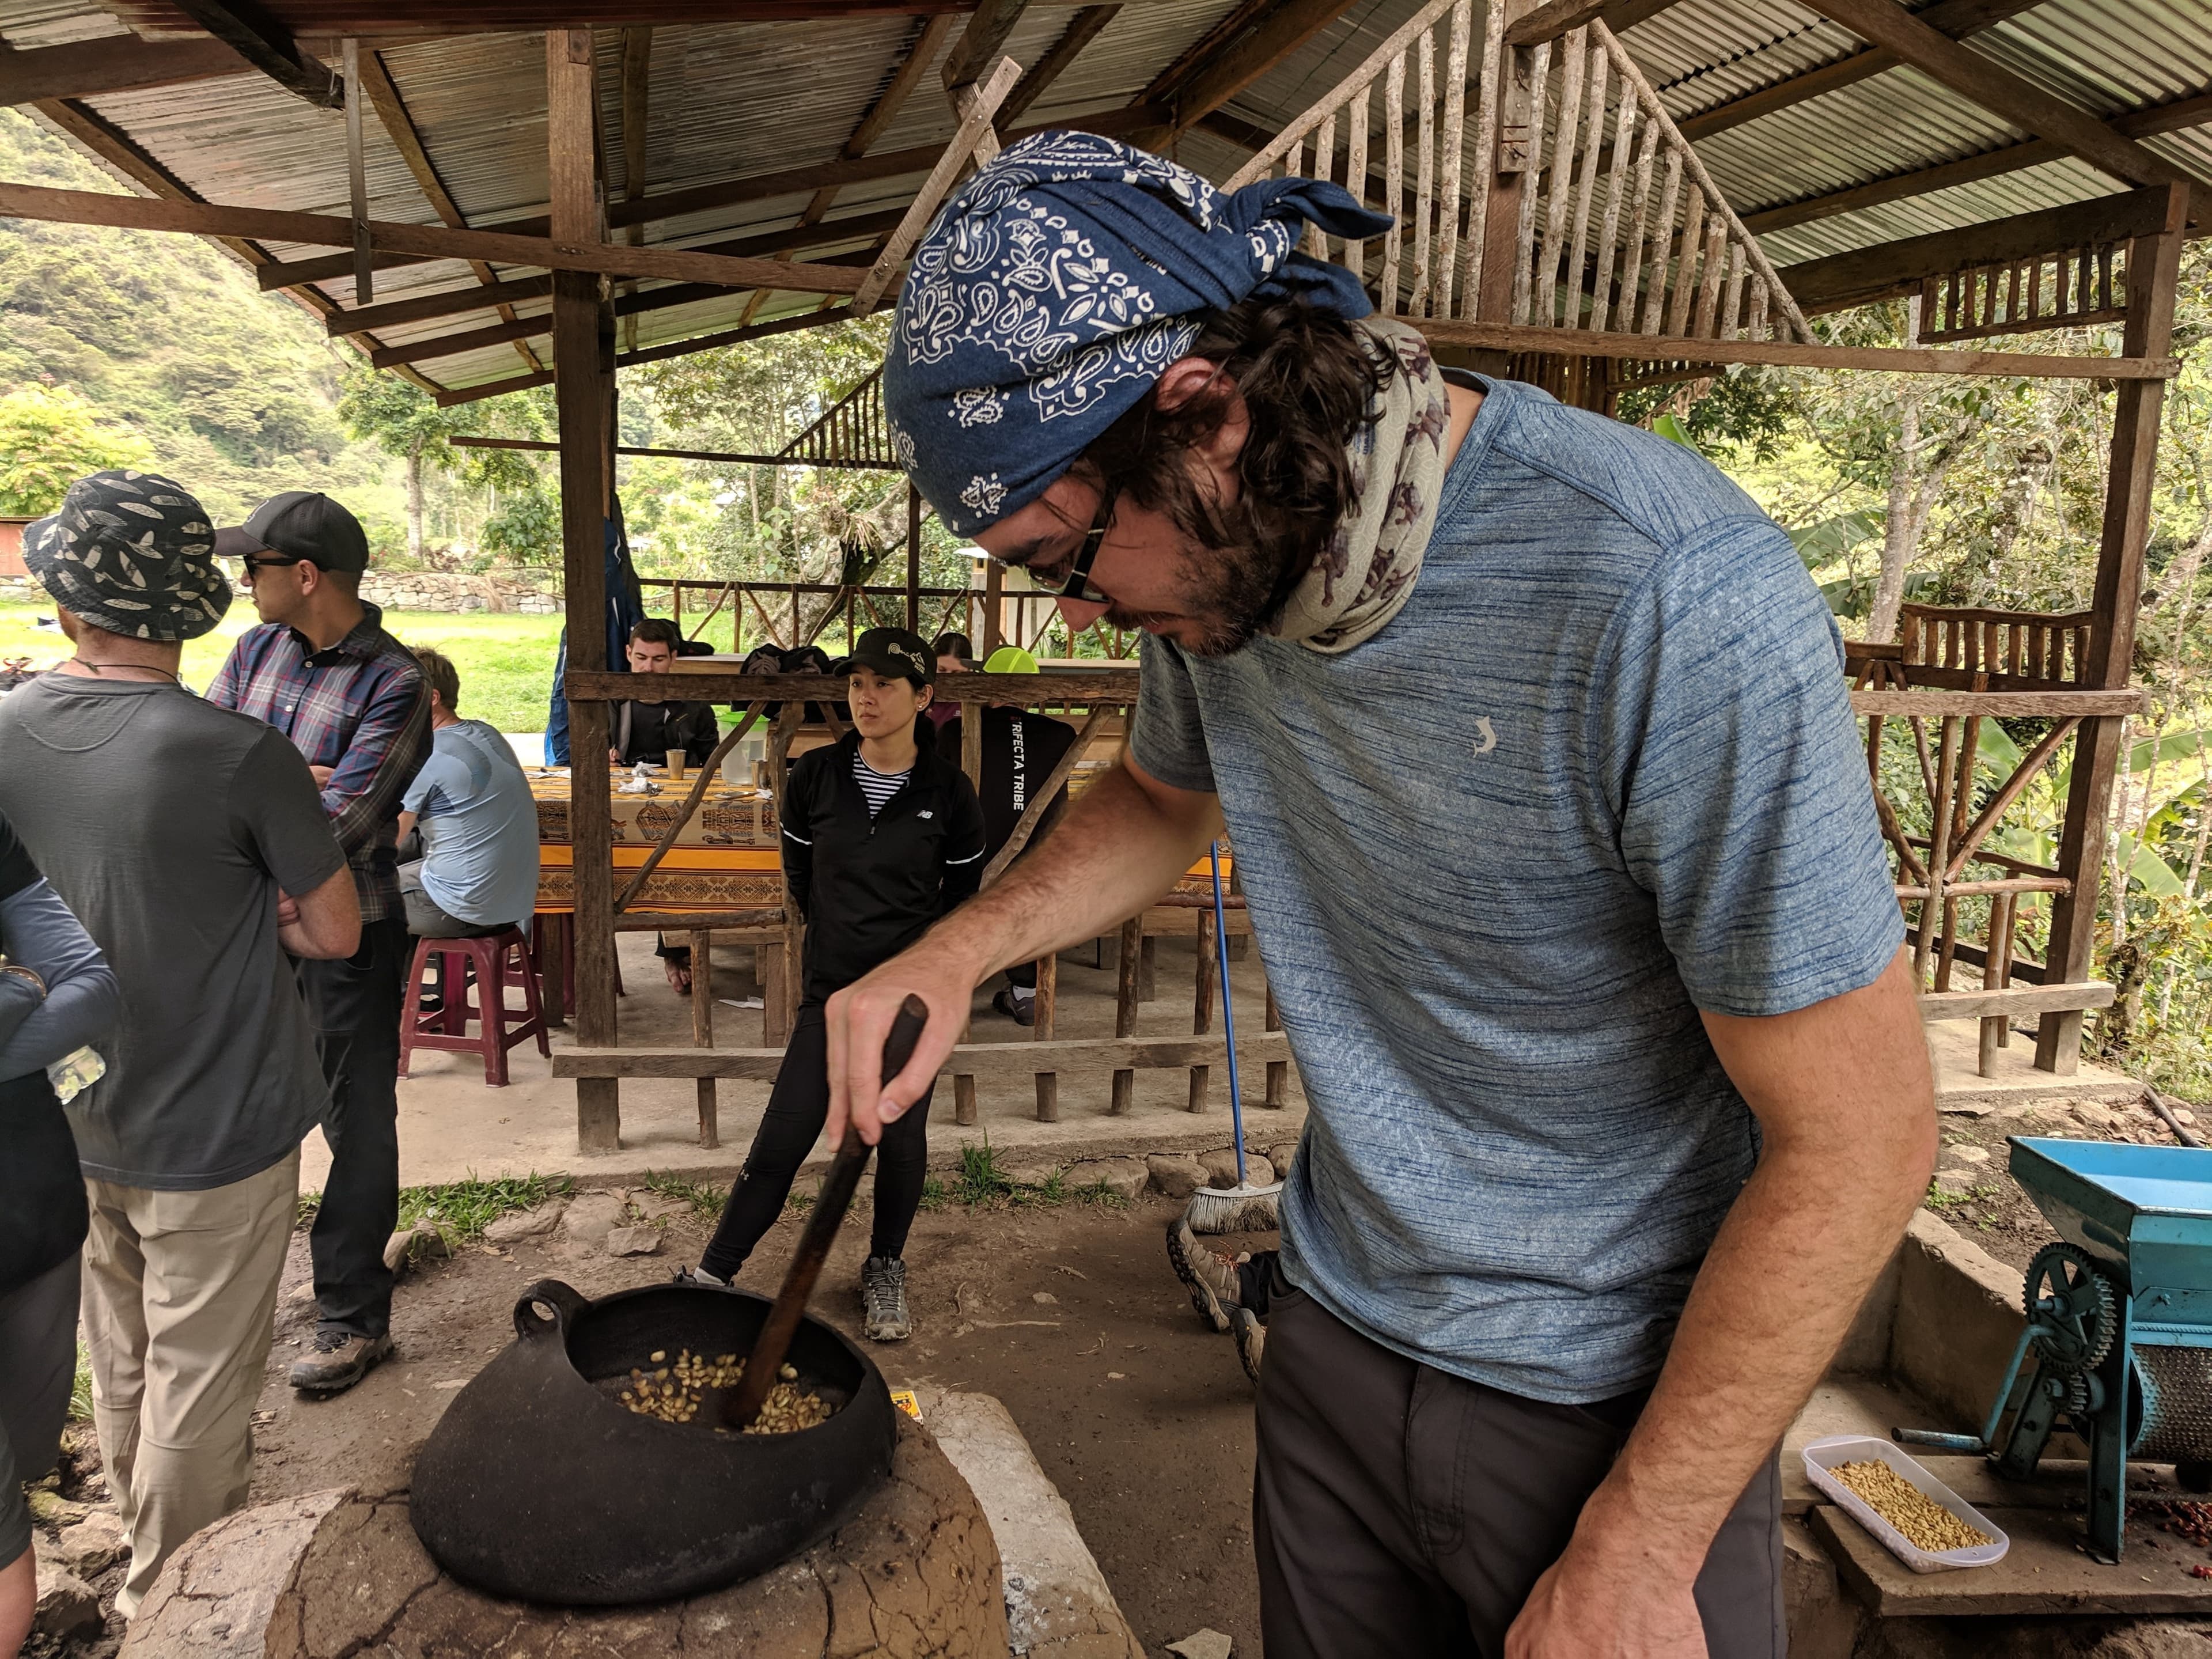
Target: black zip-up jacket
[[870, 888]]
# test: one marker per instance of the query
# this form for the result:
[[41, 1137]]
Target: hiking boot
[[1020, 1010], [338, 1359], [1251, 1340], [882, 1300], [1210, 1281]]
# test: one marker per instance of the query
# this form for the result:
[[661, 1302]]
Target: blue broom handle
[[1228, 1013]]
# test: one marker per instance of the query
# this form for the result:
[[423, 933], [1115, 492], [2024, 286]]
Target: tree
[[402, 419], [50, 437]]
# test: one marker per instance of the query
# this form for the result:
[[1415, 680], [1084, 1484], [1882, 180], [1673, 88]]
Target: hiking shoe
[[882, 1300], [1021, 1011], [700, 1279], [338, 1359], [1251, 1340], [1211, 1282]]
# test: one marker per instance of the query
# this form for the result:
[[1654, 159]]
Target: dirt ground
[[1990, 1206], [1068, 1314]]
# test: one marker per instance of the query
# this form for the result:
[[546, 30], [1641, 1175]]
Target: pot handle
[[548, 1308]]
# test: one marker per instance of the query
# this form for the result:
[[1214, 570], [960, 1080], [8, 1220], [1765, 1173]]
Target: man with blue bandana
[[1532, 735]]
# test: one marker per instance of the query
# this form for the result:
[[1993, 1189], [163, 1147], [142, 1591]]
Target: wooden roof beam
[[1556, 17], [977, 48], [399, 127], [255, 35], [1865, 275], [456, 302], [1273, 37], [1956, 18], [2178, 114], [115, 62], [81, 207], [1085, 26], [1983, 81]]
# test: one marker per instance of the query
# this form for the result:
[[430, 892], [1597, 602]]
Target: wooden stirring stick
[[743, 1404]]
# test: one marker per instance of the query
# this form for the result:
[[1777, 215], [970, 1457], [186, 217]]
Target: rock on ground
[[914, 1576], [590, 1217], [68, 1607], [91, 1547], [1174, 1176], [518, 1225], [1221, 1168], [1124, 1176], [1202, 1645], [633, 1241]]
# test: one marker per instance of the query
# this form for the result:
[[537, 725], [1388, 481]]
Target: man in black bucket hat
[[174, 828]]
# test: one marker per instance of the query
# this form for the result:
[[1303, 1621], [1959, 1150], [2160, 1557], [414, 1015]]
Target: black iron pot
[[539, 1485]]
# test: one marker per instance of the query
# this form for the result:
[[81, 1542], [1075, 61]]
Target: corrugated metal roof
[[730, 100]]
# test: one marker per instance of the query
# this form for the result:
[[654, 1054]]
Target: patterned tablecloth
[[725, 859]]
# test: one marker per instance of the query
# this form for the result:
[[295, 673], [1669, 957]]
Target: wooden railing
[[1618, 227]]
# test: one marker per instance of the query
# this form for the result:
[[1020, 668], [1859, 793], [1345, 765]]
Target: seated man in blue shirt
[[478, 870]]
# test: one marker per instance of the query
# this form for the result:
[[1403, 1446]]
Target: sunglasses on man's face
[[252, 565]]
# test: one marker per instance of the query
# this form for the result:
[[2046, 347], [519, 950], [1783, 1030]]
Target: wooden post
[[994, 592], [703, 1032], [1516, 117], [779, 991], [913, 560], [2154, 269], [1201, 1015], [1148, 954], [1996, 974], [1279, 1071], [1125, 1012], [581, 396], [1048, 994]]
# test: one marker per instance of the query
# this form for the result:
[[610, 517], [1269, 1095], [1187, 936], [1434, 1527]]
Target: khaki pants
[[179, 1293]]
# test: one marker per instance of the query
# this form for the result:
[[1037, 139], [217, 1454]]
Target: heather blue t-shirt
[[479, 827], [1599, 773]]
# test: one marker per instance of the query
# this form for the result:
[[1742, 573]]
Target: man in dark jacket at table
[[646, 728]]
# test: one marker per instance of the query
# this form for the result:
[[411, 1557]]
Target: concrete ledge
[[1058, 1603], [1958, 1318]]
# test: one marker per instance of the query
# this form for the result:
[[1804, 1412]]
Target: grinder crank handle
[[743, 1404]]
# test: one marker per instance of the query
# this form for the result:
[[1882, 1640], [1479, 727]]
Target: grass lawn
[[506, 662]]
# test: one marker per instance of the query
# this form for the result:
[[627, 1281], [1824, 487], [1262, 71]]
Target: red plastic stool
[[496, 960]]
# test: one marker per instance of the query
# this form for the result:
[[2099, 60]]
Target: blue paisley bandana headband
[[1056, 287]]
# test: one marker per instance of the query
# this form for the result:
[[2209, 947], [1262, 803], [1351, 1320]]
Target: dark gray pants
[[355, 1003], [38, 1365], [1399, 1511]]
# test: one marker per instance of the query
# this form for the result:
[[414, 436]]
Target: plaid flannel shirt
[[360, 707]]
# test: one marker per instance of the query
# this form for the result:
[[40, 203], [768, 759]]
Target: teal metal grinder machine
[[2118, 1340]]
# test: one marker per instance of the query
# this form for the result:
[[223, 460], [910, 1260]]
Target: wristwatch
[[15, 970]]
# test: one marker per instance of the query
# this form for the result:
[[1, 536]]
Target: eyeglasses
[[1078, 586]]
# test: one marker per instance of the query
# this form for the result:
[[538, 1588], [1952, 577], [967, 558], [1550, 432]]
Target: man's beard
[[1233, 592]]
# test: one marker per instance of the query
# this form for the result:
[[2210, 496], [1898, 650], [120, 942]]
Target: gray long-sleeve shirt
[[82, 1002]]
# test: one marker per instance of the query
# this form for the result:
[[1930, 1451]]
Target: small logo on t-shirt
[[925, 815], [1485, 736]]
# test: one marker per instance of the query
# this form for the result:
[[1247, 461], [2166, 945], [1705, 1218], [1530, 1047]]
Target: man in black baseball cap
[[300, 523], [352, 699]]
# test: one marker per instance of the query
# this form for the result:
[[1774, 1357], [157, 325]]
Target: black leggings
[[797, 1109]]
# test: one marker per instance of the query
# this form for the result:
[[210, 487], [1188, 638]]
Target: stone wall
[[433, 590]]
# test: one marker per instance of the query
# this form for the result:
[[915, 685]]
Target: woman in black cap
[[880, 838]]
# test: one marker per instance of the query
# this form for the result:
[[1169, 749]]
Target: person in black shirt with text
[[880, 838]]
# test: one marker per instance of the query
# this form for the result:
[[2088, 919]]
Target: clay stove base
[[915, 1575]]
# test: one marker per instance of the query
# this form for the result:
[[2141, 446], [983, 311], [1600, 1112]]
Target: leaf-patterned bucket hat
[[132, 553]]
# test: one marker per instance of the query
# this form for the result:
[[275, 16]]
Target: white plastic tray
[[1822, 1456]]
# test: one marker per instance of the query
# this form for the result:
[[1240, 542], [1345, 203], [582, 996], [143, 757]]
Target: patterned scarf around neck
[[1366, 575]]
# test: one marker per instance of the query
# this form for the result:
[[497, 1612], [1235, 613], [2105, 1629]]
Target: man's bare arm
[[329, 922], [1123, 845], [1846, 1109]]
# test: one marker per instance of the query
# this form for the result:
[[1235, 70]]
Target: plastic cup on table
[[674, 760]]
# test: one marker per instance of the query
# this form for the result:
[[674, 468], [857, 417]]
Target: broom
[[1243, 1206]]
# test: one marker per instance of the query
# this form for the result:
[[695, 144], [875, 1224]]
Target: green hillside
[[232, 392]]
